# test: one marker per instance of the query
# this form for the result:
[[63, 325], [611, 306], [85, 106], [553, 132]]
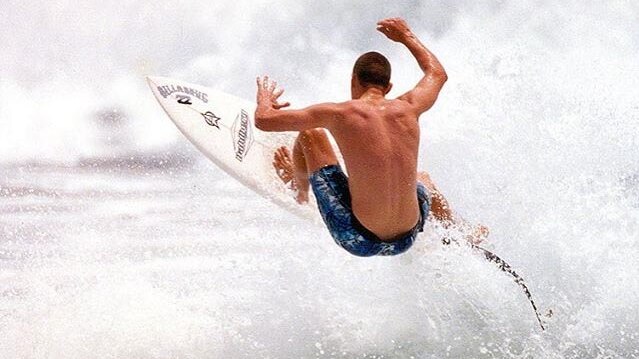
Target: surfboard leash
[[506, 268]]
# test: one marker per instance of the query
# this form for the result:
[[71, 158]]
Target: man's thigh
[[317, 148]]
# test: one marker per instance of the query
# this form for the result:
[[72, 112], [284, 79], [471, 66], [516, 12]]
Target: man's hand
[[269, 118], [267, 95], [395, 29], [425, 93]]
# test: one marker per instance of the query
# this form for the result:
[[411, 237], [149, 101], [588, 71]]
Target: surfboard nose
[[151, 80]]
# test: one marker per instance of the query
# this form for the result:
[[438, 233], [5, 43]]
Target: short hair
[[372, 69]]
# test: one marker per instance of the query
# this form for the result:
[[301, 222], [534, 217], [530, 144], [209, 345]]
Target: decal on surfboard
[[167, 90], [242, 135], [211, 119], [183, 99]]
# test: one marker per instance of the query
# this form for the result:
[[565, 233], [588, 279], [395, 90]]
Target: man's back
[[379, 140]]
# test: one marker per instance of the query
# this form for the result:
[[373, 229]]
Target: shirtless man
[[383, 204]]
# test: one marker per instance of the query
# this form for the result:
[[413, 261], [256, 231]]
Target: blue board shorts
[[330, 186]]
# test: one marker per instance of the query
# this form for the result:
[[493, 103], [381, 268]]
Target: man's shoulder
[[336, 106], [346, 109], [353, 109]]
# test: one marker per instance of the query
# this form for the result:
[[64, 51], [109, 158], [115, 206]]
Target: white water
[[118, 240]]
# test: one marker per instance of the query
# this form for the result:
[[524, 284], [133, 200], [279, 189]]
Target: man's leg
[[439, 205], [442, 212], [312, 150]]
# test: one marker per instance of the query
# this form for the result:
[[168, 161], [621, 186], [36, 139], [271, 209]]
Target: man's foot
[[473, 234], [283, 164], [479, 234]]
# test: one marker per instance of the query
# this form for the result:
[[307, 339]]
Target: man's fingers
[[384, 26], [278, 106], [267, 84], [262, 83], [390, 23], [272, 86], [278, 93], [272, 92]]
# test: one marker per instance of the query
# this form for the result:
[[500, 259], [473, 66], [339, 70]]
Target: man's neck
[[373, 93]]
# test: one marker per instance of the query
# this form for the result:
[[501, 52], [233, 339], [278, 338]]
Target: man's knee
[[312, 135], [315, 140], [317, 149]]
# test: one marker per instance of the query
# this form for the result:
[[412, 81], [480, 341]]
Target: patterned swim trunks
[[330, 186]]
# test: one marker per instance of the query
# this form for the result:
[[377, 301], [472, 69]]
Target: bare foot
[[283, 164], [479, 234]]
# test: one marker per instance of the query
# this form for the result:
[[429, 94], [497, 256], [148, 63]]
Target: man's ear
[[388, 88], [353, 86]]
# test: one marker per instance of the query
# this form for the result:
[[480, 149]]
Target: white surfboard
[[222, 127]]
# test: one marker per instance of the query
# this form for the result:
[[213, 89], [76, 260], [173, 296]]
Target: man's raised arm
[[425, 93], [269, 115]]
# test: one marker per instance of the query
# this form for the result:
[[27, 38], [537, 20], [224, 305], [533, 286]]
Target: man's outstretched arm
[[269, 115], [425, 93]]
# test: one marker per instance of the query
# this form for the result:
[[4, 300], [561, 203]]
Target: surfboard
[[222, 127]]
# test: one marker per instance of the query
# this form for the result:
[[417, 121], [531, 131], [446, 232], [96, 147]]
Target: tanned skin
[[378, 138]]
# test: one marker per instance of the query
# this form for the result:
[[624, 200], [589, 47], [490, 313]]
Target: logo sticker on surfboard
[[211, 119], [168, 90], [242, 131], [183, 99]]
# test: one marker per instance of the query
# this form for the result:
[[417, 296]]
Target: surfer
[[384, 202]]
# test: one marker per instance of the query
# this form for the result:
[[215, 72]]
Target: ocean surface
[[119, 240]]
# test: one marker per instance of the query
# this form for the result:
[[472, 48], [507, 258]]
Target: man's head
[[371, 70]]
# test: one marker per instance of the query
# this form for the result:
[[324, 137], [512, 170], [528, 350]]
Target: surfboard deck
[[222, 127]]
